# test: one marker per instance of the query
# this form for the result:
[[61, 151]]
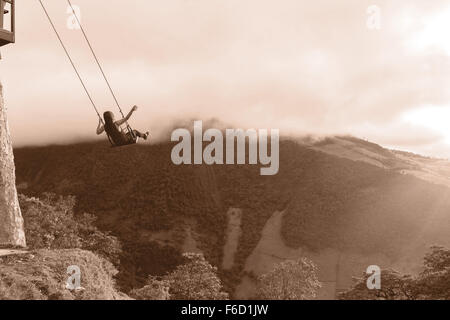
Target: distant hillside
[[426, 168], [328, 200]]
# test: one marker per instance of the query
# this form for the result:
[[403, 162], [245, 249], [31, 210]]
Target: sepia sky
[[301, 66]]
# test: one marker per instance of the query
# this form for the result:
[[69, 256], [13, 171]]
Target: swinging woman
[[112, 129]]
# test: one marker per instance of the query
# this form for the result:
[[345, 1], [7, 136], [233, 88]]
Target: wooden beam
[[13, 20]]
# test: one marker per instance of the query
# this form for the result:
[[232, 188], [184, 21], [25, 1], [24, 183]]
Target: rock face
[[11, 221]]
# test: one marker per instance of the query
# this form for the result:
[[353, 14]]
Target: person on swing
[[112, 129]]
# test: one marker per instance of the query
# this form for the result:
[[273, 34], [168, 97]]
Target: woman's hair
[[113, 131], [109, 117], [109, 122]]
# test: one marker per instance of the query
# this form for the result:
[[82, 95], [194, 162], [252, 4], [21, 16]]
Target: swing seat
[[127, 131], [6, 37]]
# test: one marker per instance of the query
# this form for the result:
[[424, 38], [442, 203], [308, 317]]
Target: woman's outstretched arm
[[122, 121], [100, 127]]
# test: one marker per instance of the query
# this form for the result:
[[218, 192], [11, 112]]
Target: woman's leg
[[140, 135]]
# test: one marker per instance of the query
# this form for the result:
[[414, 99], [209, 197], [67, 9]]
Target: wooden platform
[[8, 252], [6, 37]]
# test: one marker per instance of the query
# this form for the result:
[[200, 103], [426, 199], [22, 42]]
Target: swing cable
[[96, 59], [71, 61]]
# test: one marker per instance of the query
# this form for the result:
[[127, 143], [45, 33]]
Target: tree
[[290, 280], [394, 286], [51, 223], [195, 280], [11, 221], [155, 289], [432, 283]]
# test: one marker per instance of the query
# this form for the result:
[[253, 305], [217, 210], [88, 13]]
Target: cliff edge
[[11, 221]]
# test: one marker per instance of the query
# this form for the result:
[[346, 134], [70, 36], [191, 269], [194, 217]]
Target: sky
[[304, 67]]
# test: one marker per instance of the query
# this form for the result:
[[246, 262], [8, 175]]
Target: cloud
[[303, 67]]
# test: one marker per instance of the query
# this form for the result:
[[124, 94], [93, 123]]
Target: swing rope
[[96, 59], [71, 61]]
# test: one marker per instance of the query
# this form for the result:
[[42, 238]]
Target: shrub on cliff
[[42, 275], [50, 223]]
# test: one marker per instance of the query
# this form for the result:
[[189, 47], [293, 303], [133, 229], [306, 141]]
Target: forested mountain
[[342, 194]]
